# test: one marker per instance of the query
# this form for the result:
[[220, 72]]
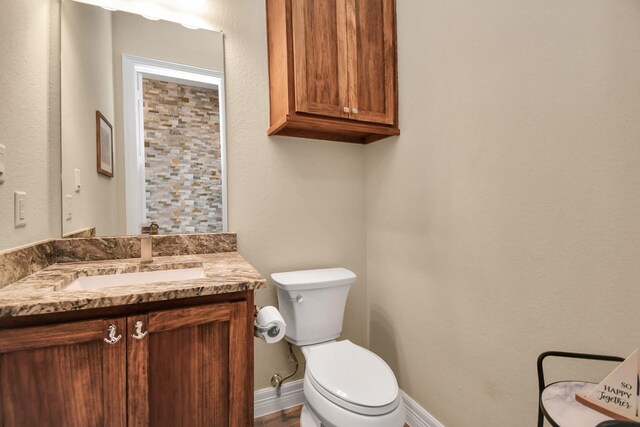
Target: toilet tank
[[312, 303]]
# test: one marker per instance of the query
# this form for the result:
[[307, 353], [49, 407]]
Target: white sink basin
[[92, 283]]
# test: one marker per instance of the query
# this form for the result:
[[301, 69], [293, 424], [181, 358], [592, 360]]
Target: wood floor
[[286, 418]]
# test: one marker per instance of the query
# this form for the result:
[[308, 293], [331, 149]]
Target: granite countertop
[[42, 292]]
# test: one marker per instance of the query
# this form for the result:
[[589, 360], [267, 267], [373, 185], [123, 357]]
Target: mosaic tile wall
[[182, 157]]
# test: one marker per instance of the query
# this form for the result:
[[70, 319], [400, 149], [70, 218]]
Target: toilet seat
[[353, 378]]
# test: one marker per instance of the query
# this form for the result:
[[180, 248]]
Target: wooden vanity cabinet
[[333, 69], [189, 366]]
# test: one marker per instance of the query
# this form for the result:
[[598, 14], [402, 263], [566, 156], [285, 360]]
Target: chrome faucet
[[146, 241]]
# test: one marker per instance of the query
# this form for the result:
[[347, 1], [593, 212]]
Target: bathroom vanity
[[169, 353]]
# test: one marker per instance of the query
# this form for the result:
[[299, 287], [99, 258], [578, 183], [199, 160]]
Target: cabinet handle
[[139, 334], [354, 110], [346, 109], [111, 330]]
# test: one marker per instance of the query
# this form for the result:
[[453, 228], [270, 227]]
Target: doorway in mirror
[[183, 170], [174, 159]]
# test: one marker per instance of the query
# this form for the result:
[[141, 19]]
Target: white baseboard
[[266, 402], [417, 416]]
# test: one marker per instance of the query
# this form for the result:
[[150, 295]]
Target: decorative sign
[[617, 395]]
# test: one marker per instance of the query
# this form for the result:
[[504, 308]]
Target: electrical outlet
[[3, 168], [19, 208], [76, 176], [68, 207]]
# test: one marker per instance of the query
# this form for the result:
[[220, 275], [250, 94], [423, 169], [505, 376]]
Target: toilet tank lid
[[314, 279]]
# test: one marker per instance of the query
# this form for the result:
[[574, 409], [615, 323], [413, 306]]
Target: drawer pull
[[139, 334], [111, 330]]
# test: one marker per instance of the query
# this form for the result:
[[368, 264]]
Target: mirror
[[142, 124]]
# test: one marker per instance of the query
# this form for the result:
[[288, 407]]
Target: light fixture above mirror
[[192, 14]]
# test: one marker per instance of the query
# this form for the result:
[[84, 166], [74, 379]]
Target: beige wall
[[294, 203], [87, 86], [29, 118], [505, 220]]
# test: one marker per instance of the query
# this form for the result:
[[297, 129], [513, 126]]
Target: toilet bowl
[[345, 385]]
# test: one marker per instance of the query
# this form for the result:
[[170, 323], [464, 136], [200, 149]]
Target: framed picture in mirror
[[104, 145]]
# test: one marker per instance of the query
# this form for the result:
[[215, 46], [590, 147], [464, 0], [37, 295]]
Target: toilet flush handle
[[299, 298]]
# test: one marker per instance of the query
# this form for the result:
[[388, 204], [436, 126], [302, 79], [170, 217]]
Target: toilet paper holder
[[276, 380], [259, 331]]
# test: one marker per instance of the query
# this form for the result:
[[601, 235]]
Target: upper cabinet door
[[320, 55], [372, 60]]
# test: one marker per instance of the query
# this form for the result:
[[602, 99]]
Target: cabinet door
[[191, 367], [372, 59], [320, 57], [63, 375]]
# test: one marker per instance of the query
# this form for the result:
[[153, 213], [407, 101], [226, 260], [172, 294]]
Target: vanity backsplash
[[18, 263]]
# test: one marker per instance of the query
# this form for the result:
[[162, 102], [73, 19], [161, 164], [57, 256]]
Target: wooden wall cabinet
[[190, 366], [333, 69]]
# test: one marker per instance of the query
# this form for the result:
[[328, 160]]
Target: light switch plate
[[3, 162], [76, 175], [19, 208], [68, 207]]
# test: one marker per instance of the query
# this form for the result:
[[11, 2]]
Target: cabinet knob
[[112, 339], [354, 110], [139, 334], [346, 109]]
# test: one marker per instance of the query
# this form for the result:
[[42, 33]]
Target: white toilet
[[344, 385]]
